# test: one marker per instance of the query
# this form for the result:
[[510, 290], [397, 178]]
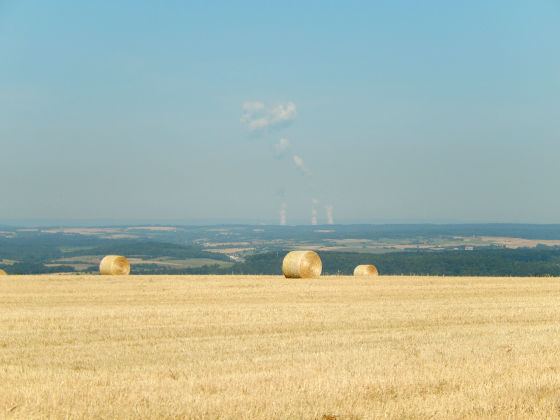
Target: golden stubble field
[[260, 347]]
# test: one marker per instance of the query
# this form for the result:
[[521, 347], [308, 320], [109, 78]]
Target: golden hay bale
[[301, 264], [3, 273], [114, 265], [365, 270]]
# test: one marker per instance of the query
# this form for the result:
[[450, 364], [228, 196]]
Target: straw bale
[[301, 264], [114, 265], [365, 270]]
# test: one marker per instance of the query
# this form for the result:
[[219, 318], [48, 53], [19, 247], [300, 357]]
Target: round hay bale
[[301, 264], [365, 270], [114, 265], [3, 273]]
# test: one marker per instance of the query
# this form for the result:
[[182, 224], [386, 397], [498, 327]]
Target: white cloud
[[253, 106], [282, 113], [256, 116]]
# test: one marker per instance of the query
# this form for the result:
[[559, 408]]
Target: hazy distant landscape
[[483, 249]]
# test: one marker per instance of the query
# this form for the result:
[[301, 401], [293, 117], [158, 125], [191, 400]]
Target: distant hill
[[469, 249], [40, 253], [488, 262]]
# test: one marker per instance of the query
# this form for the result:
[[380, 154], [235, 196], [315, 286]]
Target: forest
[[541, 261], [166, 252]]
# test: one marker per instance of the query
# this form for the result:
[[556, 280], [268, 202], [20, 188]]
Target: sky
[[280, 112]]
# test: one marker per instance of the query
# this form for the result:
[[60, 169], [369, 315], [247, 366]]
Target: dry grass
[[268, 347]]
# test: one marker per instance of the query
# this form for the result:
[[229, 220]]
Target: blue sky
[[397, 110]]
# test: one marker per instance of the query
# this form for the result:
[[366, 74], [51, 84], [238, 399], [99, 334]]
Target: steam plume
[[314, 211], [282, 147], [283, 219], [301, 165], [256, 116], [330, 219]]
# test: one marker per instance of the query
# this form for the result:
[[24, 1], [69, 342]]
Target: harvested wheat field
[[254, 347]]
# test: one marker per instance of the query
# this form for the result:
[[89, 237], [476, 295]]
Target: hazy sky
[[386, 111]]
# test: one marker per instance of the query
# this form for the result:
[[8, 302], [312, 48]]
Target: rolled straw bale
[[301, 264], [3, 273], [114, 265], [365, 270]]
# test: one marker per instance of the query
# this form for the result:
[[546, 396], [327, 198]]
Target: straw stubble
[[266, 347]]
